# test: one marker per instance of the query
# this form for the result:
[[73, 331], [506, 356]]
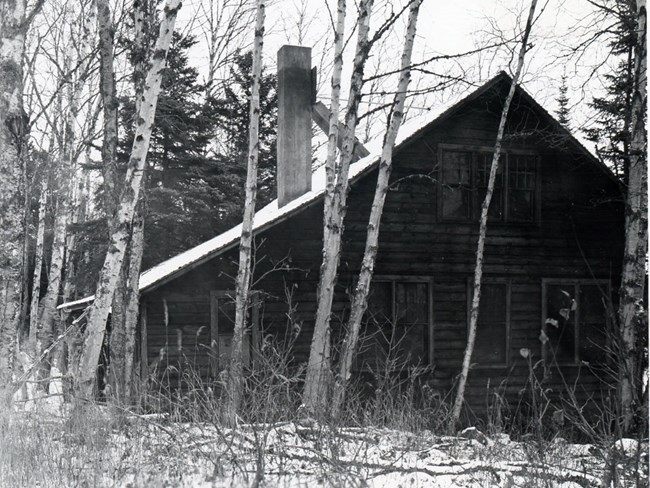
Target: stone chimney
[[294, 122]]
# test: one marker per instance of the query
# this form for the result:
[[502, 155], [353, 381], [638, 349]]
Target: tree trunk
[[38, 267], [120, 235], [235, 377], [13, 27], [632, 315], [478, 268], [318, 368], [108, 93], [360, 300], [124, 311]]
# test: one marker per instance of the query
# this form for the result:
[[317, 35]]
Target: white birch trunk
[[632, 315], [12, 135], [120, 235], [360, 299], [235, 377], [478, 268], [318, 368], [124, 310], [38, 267]]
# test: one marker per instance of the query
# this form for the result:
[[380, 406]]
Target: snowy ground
[[293, 455], [41, 447]]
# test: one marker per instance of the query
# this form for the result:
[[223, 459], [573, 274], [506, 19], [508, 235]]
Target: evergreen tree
[[563, 102], [230, 111], [612, 131]]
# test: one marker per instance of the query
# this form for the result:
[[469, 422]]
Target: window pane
[[491, 330], [593, 322], [456, 168], [455, 203], [521, 205], [401, 344], [522, 170], [560, 322], [495, 212], [456, 184], [412, 304]]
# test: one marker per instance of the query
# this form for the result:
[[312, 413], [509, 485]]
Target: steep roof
[[271, 214]]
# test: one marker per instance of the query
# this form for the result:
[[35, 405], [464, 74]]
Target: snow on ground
[[294, 455]]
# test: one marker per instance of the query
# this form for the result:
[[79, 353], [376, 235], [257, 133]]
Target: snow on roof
[[271, 214]]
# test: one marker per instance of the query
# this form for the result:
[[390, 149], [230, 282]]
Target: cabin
[[552, 255]]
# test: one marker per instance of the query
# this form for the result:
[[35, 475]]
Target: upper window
[[465, 176], [575, 321], [397, 326]]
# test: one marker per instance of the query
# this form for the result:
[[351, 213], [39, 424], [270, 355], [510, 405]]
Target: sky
[[443, 27]]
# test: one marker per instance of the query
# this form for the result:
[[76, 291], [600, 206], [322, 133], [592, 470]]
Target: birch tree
[[14, 22], [109, 274], [478, 268], [360, 299], [124, 314], [235, 377], [318, 368], [632, 315]]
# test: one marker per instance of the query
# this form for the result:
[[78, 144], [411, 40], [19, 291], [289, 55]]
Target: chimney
[[294, 123]]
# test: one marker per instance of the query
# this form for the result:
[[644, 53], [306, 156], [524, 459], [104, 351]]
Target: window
[[222, 324], [492, 329], [464, 181], [398, 324], [575, 321]]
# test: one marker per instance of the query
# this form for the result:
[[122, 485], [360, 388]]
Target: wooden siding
[[578, 234]]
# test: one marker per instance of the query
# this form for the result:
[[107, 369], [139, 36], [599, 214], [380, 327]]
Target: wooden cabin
[[552, 259]]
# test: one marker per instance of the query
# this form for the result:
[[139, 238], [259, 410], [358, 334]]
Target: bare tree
[[318, 369], [109, 274], [14, 22], [360, 299], [235, 376], [478, 269]]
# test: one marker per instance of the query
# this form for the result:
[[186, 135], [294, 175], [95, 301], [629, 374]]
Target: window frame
[[255, 303], [470, 289], [576, 283], [387, 278], [475, 205]]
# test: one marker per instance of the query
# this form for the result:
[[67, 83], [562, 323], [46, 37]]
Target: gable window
[[464, 181], [222, 326], [575, 321], [493, 327], [397, 329]]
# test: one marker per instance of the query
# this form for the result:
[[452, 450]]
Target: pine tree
[[563, 102]]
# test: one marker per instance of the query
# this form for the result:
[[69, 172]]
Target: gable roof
[[271, 214]]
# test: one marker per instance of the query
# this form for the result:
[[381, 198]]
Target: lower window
[[222, 325], [492, 329], [397, 326], [576, 316]]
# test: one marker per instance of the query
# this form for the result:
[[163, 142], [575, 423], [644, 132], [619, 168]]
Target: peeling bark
[[318, 368], [632, 315], [120, 236], [360, 299], [478, 268], [235, 376]]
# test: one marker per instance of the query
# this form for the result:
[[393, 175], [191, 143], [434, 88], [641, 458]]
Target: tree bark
[[38, 267], [632, 315], [124, 311], [478, 268], [360, 299], [14, 21], [318, 368], [120, 235], [108, 93], [235, 377]]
